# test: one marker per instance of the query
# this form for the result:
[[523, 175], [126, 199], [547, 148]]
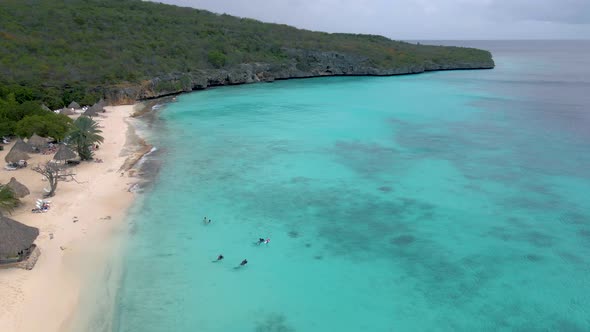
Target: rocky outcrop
[[300, 64]]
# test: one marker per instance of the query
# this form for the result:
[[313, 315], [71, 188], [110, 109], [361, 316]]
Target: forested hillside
[[78, 49]]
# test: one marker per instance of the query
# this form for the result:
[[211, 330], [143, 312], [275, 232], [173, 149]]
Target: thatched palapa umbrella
[[101, 103], [66, 111], [17, 154], [37, 142], [64, 153], [15, 237], [19, 189], [74, 105], [22, 146], [14, 156], [94, 110]]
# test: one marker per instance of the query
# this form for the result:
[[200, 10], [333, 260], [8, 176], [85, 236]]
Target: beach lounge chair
[[41, 206], [39, 210]]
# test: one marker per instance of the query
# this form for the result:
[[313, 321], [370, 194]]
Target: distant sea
[[446, 201]]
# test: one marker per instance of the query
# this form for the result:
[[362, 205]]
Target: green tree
[[49, 125], [30, 125], [83, 135], [8, 199], [58, 126], [6, 127], [217, 59]]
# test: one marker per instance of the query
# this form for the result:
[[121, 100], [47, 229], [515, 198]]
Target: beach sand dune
[[82, 222]]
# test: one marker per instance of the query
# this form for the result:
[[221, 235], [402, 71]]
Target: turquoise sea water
[[452, 201]]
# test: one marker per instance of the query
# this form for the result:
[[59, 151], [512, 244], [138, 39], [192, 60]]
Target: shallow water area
[[443, 201]]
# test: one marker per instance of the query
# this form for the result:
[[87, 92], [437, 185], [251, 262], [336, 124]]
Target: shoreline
[[141, 95], [78, 236]]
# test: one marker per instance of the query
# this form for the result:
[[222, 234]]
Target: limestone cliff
[[302, 64]]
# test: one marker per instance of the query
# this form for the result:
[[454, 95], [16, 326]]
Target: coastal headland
[[77, 235], [301, 64], [132, 50]]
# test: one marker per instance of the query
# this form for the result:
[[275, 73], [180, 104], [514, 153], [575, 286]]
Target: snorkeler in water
[[260, 241], [220, 257], [242, 264]]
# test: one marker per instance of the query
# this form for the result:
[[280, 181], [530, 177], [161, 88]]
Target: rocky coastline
[[301, 64]]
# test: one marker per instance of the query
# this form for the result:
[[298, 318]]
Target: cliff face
[[301, 64]]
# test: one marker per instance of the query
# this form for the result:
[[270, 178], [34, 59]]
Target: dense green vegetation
[[22, 116], [63, 50]]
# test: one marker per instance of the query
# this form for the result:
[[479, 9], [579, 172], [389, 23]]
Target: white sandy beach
[[47, 297]]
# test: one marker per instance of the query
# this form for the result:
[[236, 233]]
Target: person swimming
[[244, 262], [267, 241], [260, 241], [220, 257]]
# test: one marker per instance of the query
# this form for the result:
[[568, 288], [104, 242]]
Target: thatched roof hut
[[22, 146], [90, 112], [74, 105], [64, 153], [37, 142], [14, 156], [19, 189], [66, 111], [17, 152], [93, 110], [15, 238]]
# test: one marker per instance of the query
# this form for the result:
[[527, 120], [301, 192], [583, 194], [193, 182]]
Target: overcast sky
[[419, 19]]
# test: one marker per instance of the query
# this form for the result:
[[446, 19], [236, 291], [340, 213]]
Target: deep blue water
[[449, 201]]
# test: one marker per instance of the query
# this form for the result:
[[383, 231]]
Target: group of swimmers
[[245, 261], [220, 257]]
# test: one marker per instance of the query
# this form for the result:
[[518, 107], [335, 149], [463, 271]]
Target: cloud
[[419, 19], [557, 11]]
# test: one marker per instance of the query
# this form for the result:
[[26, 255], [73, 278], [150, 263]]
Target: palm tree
[[84, 134], [8, 200]]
